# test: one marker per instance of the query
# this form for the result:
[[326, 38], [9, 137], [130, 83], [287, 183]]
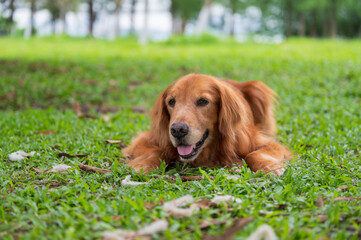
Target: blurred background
[[157, 20]]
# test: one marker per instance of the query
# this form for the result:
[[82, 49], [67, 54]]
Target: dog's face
[[193, 107]]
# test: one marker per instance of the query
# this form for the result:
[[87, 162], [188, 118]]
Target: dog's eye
[[202, 102], [171, 102]]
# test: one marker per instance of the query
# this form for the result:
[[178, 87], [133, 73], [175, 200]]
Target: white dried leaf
[[225, 199], [59, 168], [263, 232], [233, 177], [20, 155], [120, 234], [155, 227], [127, 181], [173, 207], [116, 235]]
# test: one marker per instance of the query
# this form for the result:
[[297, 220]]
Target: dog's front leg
[[268, 158], [143, 154]]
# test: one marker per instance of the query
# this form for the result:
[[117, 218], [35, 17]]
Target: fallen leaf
[[205, 203], [20, 155], [322, 218], [342, 188], [79, 112], [230, 232], [213, 222], [116, 218], [89, 82], [319, 201], [46, 132], [93, 169], [120, 142], [63, 154], [347, 199], [281, 206], [105, 117], [40, 171], [55, 147], [139, 109]]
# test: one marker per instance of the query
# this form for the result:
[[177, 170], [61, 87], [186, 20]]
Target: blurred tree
[[32, 17], [58, 10], [118, 5], [143, 39], [9, 6], [53, 7], [185, 10], [94, 6], [235, 6], [203, 17], [133, 4]]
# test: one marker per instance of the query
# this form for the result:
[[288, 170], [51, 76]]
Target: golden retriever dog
[[211, 122]]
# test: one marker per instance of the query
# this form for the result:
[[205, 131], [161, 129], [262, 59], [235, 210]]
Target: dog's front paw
[[278, 172]]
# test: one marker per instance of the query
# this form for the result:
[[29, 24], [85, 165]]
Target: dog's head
[[194, 111]]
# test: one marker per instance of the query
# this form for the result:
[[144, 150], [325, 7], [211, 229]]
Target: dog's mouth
[[190, 151]]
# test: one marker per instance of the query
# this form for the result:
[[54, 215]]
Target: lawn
[[318, 115]]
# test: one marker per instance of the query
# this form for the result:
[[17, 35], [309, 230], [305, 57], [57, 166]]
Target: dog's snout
[[179, 129]]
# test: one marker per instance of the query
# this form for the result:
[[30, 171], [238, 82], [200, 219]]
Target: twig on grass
[[230, 232], [93, 169]]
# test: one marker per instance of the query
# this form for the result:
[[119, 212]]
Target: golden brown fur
[[238, 117]]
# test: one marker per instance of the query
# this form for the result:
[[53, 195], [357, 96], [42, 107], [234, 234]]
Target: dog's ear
[[234, 118], [160, 120]]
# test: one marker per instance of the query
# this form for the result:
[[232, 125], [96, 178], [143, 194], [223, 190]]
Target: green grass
[[319, 118]]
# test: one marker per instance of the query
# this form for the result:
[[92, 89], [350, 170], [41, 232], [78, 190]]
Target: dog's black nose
[[179, 130]]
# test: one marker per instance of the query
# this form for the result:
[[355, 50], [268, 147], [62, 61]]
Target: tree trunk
[[53, 26], [32, 17], [302, 25], [63, 11], [132, 16], [203, 17], [333, 26], [231, 32], [12, 11], [91, 16], [118, 4], [313, 29], [183, 26], [288, 18], [326, 24], [144, 34]]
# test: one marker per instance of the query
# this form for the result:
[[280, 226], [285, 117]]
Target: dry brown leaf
[[120, 142], [116, 218], [319, 201], [281, 206], [93, 169], [139, 110], [40, 171], [204, 203], [230, 232], [89, 82], [9, 95], [213, 222], [55, 147], [346, 199], [46, 132], [72, 156], [342, 188], [79, 112], [322, 218]]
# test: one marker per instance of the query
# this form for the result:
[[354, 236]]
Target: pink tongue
[[185, 150]]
